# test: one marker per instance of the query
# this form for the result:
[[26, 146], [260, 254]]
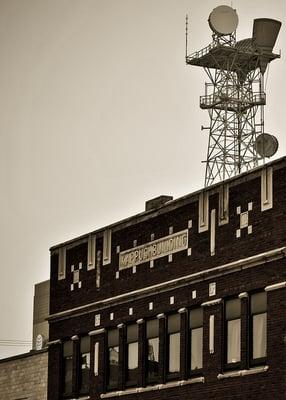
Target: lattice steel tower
[[234, 95]]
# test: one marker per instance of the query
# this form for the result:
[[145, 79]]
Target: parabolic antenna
[[266, 145], [223, 20]]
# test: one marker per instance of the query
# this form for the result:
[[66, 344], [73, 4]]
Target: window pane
[[233, 341], [113, 356], [132, 333], [85, 368], [85, 344], [233, 309], [258, 303], [174, 323], [68, 348], [174, 352], [152, 328], [196, 318], [113, 338], [196, 348], [132, 361], [68, 374], [259, 340], [153, 358]]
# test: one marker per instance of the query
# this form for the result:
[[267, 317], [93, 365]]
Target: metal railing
[[216, 98]]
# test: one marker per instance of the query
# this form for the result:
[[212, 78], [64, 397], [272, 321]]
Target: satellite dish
[[266, 145], [223, 20], [39, 342]]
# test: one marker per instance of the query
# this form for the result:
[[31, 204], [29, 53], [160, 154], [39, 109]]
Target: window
[[258, 341], [84, 365], [173, 343], [67, 367], [233, 331], [152, 337], [196, 339], [113, 359], [132, 355]]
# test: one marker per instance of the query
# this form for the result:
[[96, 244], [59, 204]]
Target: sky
[[99, 113]]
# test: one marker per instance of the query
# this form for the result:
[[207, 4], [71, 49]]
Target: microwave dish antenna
[[223, 20], [266, 145]]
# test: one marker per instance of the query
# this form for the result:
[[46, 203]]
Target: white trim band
[[243, 372], [199, 379], [276, 286]]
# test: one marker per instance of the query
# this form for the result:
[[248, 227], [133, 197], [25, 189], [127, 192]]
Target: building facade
[[183, 301]]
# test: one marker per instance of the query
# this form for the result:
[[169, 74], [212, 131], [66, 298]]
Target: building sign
[[152, 250]]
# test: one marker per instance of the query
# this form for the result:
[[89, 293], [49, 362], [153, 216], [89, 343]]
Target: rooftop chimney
[[157, 202]]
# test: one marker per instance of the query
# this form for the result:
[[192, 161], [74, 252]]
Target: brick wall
[[239, 264], [24, 377]]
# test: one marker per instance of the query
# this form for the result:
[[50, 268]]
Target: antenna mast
[[234, 95]]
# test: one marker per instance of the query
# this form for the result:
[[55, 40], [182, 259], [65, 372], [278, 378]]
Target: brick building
[[183, 301], [24, 376]]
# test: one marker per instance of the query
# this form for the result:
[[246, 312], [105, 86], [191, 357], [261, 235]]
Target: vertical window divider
[[122, 356], [75, 368], [184, 343], [162, 348], [244, 330], [142, 352]]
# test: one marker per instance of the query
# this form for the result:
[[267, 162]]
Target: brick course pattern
[[24, 377]]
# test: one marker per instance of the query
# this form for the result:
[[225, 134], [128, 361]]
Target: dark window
[[113, 359], [258, 341], [132, 355], [196, 339], [67, 367], [152, 337], [173, 343], [84, 365], [233, 331]]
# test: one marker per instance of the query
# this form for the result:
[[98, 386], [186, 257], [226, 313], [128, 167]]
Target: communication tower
[[234, 95]]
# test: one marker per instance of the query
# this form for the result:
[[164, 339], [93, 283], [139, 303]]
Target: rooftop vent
[[157, 202]]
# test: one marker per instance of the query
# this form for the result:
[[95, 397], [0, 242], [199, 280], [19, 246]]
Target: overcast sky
[[99, 113]]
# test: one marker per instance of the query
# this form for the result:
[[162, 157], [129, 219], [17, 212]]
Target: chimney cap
[[157, 202]]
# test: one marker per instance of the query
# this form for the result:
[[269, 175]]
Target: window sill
[[80, 398], [243, 372], [199, 379]]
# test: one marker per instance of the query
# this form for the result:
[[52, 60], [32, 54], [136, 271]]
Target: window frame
[[79, 367], [108, 387], [65, 393], [128, 382], [155, 380], [238, 364], [176, 374], [261, 360], [198, 371]]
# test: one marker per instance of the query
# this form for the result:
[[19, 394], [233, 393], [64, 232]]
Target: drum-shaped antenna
[[266, 145], [223, 20], [265, 32]]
